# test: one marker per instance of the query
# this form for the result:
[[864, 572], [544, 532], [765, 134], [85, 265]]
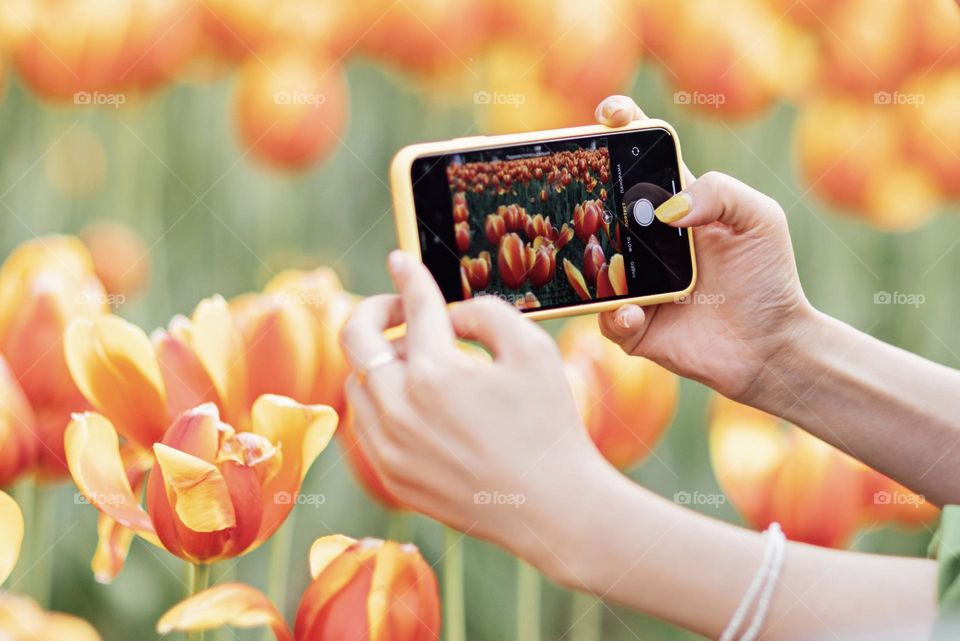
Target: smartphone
[[555, 222]]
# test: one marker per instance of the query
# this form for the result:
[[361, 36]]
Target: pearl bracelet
[[760, 591]]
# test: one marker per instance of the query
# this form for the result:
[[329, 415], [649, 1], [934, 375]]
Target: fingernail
[[398, 261], [623, 319], [611, 107], [675, 208]]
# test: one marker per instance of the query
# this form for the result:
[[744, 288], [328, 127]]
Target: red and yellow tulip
[[44, 285], [290, 107], [368, 590], [494, 226], [612, 278], [626, 402], [593, 259], [214, 492], [514, 260], [544, 264], [21, 619], [576, 280], [462, 236], [477, 270], [773, 471]]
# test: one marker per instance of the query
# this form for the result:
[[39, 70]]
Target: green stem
[[400, 526], [279, 572], [199, 581], [41, 528], [453, 604], [528, 602], [586, 617]]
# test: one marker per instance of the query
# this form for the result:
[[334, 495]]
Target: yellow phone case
[[406, 217]]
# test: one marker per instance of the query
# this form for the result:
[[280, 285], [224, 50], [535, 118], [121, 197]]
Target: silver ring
[[379, 360]]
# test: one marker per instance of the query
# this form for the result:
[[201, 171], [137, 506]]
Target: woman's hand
[[748, 304], [487, 446]]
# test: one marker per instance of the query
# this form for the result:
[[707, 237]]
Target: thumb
[[716, 197], [626, 325]]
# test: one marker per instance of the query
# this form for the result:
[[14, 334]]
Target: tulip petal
[[93, 456], [218, 344], [326, 549], [575, 278], [331, 605], [233, 604], [187, 383], [64, 626], [393, 606], [11, 535], [113, 363], [302, 431], [202, 498], [618, 275], [281, 350]]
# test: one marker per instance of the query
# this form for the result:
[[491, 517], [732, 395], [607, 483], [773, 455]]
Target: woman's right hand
[[734, 332]]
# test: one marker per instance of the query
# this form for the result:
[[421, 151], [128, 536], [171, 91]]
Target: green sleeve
[[945, 547]]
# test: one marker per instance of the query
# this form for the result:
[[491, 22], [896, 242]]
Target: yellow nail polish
[[675, 208]]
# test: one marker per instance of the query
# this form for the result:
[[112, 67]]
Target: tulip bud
[[586, 219], [593, 259], [544, 266], [612, 278], [477, 270], [513, 261], [462, 234], [495, 227]]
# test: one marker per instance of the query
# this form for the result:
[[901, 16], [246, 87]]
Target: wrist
[[566, 517], [778, 385]]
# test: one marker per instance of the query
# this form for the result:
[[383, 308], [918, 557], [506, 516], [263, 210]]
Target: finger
[[716, 197], [622, 323], [618, 111], [362, 336], [428, 323], [493, 323]]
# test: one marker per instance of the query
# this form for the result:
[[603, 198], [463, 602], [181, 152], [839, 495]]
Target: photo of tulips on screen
[[538, 229]]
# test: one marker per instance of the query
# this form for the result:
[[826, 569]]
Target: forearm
[[896, 411], [627, 545]]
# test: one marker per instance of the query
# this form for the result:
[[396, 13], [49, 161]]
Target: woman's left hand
[[490, 447]]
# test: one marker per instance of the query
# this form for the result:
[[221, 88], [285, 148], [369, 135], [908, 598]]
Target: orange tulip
[[495, 227], [527, 301], [462, 235], [612, 278], [540, 226], [593, 259], [932, 135], [362, 468], [575, 278], [87, 46], [514, 216], [367, 589], [214, 492], [18, 439], [586, 219], [290, 107], [146, 392], [44, 284], [477, 270], [887, 501], [626, 402], [21, 619], [513, 261], [460, 212], [773, 471], [120, 257]]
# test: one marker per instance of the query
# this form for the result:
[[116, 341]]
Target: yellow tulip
[[20, 618]]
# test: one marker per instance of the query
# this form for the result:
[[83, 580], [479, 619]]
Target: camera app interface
[[555, 223]]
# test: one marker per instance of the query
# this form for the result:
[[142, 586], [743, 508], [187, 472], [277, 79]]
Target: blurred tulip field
[[193, 195]]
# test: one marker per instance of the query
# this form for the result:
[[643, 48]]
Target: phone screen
[[553, 223]]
